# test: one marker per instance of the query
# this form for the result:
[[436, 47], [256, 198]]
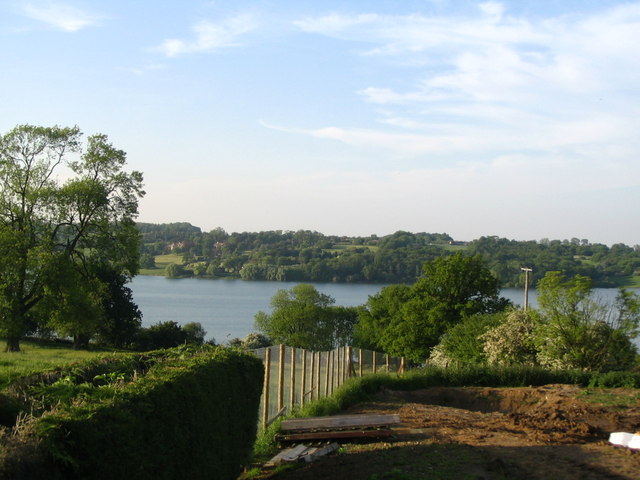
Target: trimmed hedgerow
[[193, 414]]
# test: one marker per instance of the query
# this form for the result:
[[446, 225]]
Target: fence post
[[349, 362], [333, 371], [338, 365], [265, 392], [312, 378], [402, 367], [303, 380], [360, 362], [292, 383], [386, 362], [281, 378], [319, 368], [373, 362], [327, 375]]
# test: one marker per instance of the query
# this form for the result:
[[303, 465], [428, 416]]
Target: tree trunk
[[13, 344], [80, 341]]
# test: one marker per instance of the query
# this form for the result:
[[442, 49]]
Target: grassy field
[[37, 356], [161, 263]]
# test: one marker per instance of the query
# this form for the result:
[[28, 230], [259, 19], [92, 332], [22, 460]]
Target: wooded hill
[[397, 258]]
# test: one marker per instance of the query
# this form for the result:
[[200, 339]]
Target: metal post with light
[[526, 271]]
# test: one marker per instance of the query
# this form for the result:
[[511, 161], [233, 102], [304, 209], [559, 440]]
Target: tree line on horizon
[[305, 255]]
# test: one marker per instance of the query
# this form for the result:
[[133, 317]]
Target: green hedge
[[190, 415]]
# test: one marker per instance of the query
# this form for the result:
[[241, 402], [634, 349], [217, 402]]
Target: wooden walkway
[[337, 427]]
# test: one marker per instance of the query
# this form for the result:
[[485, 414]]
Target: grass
[[161, 263], [341, 247], [611, 398], [37, 356]]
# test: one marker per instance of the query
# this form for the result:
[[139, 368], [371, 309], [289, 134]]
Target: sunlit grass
[[161, 263], [38, 356]]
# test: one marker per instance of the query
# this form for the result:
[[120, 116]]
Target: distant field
[[161, 263], [453, 248], [341, 247], [37, 356]]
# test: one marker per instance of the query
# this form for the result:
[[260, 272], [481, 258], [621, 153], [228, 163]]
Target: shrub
[[464, 342], [193, 415], [194, 333], [160, 335], [512, 342]]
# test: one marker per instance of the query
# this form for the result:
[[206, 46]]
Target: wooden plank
[[287, 455], [335, 435], [311, 455], [339, 421], [294, 453]]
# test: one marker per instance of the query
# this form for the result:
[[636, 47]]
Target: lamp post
[[526, 271]]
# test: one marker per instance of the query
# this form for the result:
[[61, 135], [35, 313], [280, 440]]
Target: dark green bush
[[616, 379], [160, 335], [192, 415]]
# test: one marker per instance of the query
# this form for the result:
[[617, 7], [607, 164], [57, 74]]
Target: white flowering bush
[[439, 358], [512, 342]]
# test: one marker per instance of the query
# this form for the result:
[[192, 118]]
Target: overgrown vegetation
[[180, 413], [571, 329]]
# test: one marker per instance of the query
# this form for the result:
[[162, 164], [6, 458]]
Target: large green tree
[[578, 331], [305, 318], [409, 321], [66, 210]]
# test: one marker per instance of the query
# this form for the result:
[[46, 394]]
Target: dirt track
[[548, 432]]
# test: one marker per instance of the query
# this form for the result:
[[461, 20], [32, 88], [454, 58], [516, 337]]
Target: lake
[[226, 307]]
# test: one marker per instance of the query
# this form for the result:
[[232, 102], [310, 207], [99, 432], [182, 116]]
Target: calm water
[[226, 308]]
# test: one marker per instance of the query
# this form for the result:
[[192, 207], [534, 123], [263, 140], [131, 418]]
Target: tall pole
[[526, 271]]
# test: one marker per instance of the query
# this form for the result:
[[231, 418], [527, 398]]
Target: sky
[[519, 119]]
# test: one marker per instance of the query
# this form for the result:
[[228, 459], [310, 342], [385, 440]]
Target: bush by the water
[[181, 413]]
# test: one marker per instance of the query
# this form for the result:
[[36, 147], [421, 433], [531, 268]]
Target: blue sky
[[518, 118]]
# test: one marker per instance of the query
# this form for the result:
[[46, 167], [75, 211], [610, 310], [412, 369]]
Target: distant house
[[176, 245]]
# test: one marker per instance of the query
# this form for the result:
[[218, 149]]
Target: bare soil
[[549, 432]]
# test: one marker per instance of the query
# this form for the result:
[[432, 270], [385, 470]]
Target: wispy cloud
[[491, 83], [61, 16], [208, 36]]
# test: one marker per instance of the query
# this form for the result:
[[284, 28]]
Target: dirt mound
[[550, 432]]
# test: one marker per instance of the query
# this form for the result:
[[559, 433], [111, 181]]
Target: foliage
[[410, 320], [159, 335], [256, 340], [302, 317], [192, 414], [38, 355], [463, 342], [376, 316], [121, 316], [615, 379], [54, 236], [606, 266], [576, 331], [173, 270], [296, 256], [305, 256], [194, 333], [512, 341]]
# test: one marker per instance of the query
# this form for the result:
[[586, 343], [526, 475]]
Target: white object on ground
[[625, 439], [635, 442]]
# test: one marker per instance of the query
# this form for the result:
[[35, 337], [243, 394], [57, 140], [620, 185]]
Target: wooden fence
[[293, 377]]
